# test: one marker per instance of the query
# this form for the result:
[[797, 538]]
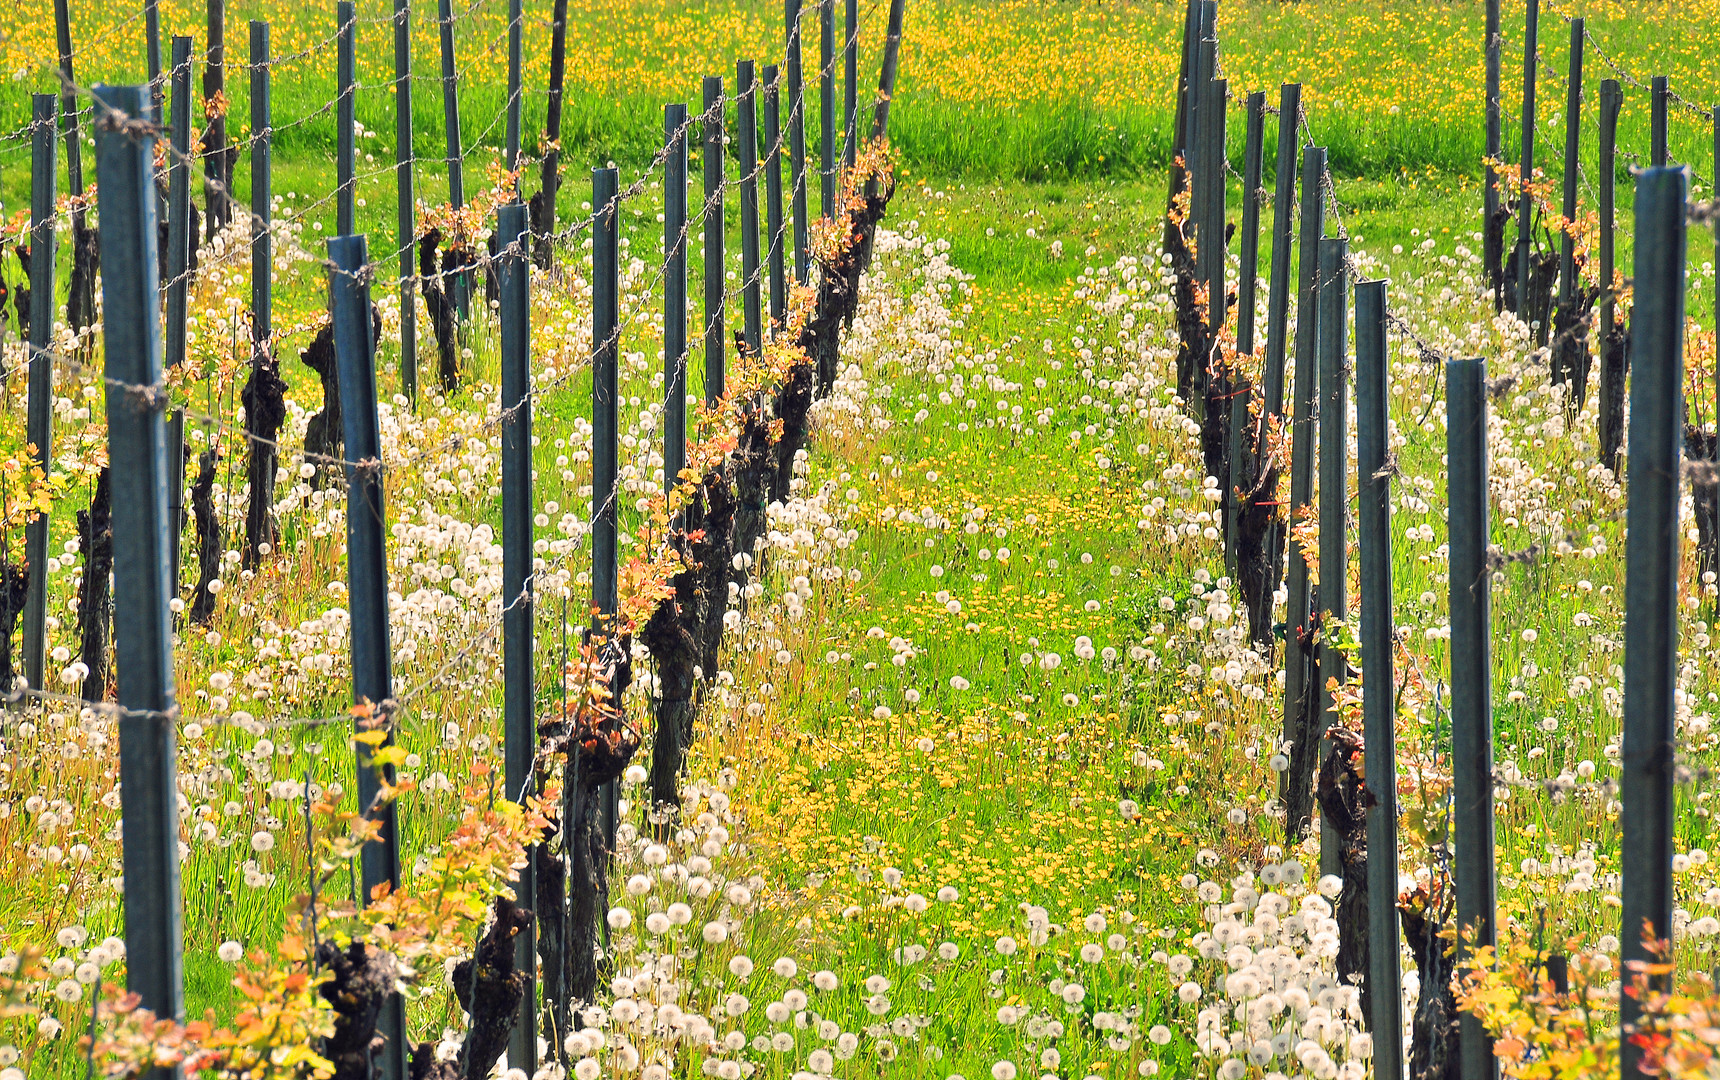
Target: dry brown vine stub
[[265, 401], [676, 651], [433, 286], [14, 587], [1570, 359], [1700, 446], [597, 744], [1615, 361], [15, 299], [713, 554], [86, 261], [323, 435], [1298, 793], [211, 538], [1256, 570], [95, 602], [489, 988], [550, 902], [426, 1066], [1345, 802], [537, 209], [362, 978], [162, 236]]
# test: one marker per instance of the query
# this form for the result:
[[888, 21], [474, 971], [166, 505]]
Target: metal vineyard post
[[367, 583], [178, 282], [1379, 699], [1333, 413], [39, 420], [406, 224], [746, 101], [513, 273], [137, 448], [1646, 780], [345, 33], [715, 258], [1471, 684]]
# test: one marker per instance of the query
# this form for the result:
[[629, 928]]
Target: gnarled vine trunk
[[265, 411], [95, 600]]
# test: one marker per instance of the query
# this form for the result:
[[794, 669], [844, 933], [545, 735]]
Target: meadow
[[987, 784]]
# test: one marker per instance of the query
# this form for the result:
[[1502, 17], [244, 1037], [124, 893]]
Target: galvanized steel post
[[1658, 152], [1278, 311], [345, 148], [1242, 393], [1526, 168], [797, 140], [39, 419], [178, 282], [1334, 418], [405, 209], [827, 108], [262, 243], [851, 84], [1379, 689], [1298, 615], [367, 585], [457, 286], [1471, 684], [716, 260], [1651, 579], [1494, 235], [674, 294], [773, 199], [746, 101], [515, 21], [552, 126], [606, 351], [519, 724], [1567, 242], [137, 449], [217, 156]]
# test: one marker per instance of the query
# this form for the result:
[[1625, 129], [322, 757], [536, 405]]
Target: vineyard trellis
[[127, 129], [1317, 762]]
